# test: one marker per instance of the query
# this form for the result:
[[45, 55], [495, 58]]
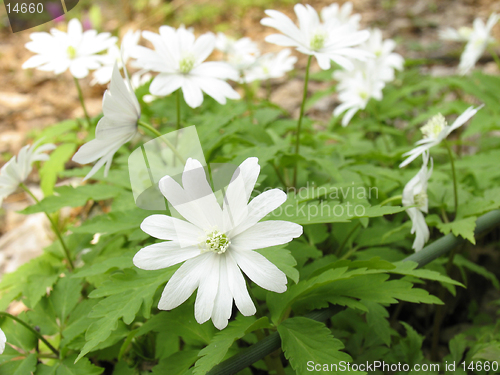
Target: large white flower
[[18, 168], [435, 131], [271, 65], [415, 194], [3, 341], [327, 41], [179, 58], [118, 126], [216, 243], [75, 50], [116, 55], [478, 38]]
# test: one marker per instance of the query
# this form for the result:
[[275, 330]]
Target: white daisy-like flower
[[478, 38], [271, 65], [415, 194], [435, 131], [327, 41], [18, 168], [75, 50], [216, 243], [341, 15], [115, 55], [118, 126], [179, 58], [239, 53], [3, 341]]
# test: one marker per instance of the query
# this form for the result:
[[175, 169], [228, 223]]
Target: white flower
[[118, 126], [271, 66], [435, 130], [179, 58], [76, 50], [341, 15], [3, 341], [115, 55], [478, 38], [17, 169], [415, 194], [385, 61], [326, 41], [216, 243], [240, 54]]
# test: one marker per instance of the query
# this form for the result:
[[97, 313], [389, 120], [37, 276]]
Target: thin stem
[[82, 101], [341, 247], [248, 98], [164, 139], [455, 185], [23, 323], [301, 115], [54, 228], [391, 199], [178, 100], [494, 55], [278, 174]]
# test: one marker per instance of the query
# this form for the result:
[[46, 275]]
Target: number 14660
[[25, 8]]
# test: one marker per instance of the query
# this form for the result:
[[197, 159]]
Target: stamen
[[71, 51], [420, 199], [318, 40], [186, 64], [216, 241], [434, 126]]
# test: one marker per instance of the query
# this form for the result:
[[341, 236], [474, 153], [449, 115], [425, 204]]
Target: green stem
[[494, 55], [341, 247], [163, 138], [455, 185], [20, 321], [82, 101], [248, 98], [54, 228], [299, 123], [178, 100], [391, 199]]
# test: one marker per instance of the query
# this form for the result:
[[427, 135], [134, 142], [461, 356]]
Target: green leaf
[[489, 353], [65, 296], [376, 318], [51, 168], [44, 317], [463, 227], [283, 259], [307, 341], [69, 367], [176, 364], [214, 353], [37, 284], [410, 269], [461, 261], [21, 367]]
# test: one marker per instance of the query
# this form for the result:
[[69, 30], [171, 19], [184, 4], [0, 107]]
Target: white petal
[[208, 288], [3, 340], [238, 287], [170, 228], [163, 255], [192, 92], [223, 305], [165, 84], [266, 234]]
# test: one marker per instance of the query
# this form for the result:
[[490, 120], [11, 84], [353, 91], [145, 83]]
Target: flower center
[[71, 51], [186, 64], [420, 199], [318, 40], [363, 95], [216, 242], [434, 126]]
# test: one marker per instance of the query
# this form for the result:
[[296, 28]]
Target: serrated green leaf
[[410, 269], [38, 283], [460, 261], [20, 367], [69, 366], [462, 227], [214, 353], [176, 364], [65, 296], [43, 317], [376, 317], [489, 353], [305, 340], [51, 168]]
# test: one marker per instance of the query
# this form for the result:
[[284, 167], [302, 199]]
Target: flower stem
[[23, 323], [299, 123], [164, 139], [391, 199], [454, 175], [178, 100], [80, 96], [248, 98], [54, 227], [494, 55]]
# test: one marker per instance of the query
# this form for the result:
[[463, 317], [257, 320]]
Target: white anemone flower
[[118, 126], [385, 60], [435, 131], [216, 243], [3, 341], [341, 15], [18, 168], [115, 55], [326, 41], [415, 194], [179, 58], [478, 38], [241, 54], [75, 50], [271, 65]]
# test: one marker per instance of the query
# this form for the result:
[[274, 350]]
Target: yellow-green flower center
[[216, 242], [420, 199], [71, 51], [434, 126], [318, 40], [186, 64]]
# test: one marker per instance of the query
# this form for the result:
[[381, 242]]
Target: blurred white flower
[[341, 15], [114, 55], [75, 50], [368, 78], [3, 341], [216, 243], [179, 58], [18, 168], [435, 131], [239, 53], [478, 38], [271, 65], [118, 126], [415, 194], [328, 41]]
